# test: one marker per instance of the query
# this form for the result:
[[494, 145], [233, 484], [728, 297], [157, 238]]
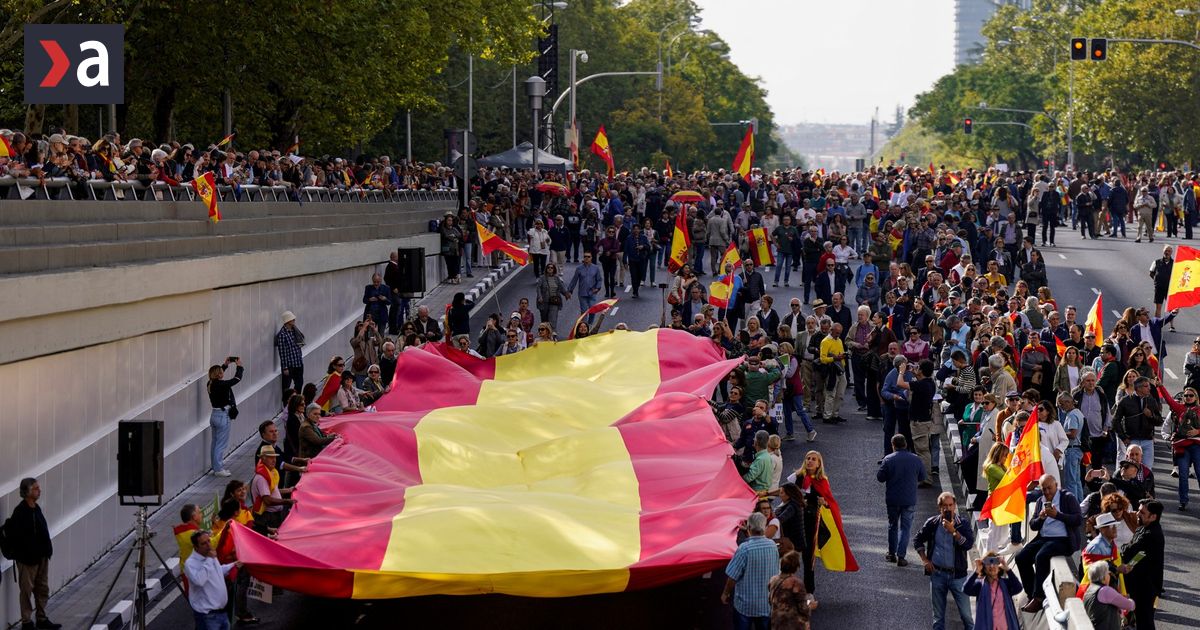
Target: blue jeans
[[1190, 459], [216, 620], [468, 254], [785, 265], [942, 583], [856, 239], [900, 519], [935, 450], [742, 622], [698, 252], [1118, 223], [1072, 462], [796, 404], [219, 421], [586, 302]]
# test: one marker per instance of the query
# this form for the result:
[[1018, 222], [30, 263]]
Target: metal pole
[[514, 106], [470, 93], [227, 106], [536, 130], [466, 185], [112, 118], [408, 135], [1071, 115], [571, 120]]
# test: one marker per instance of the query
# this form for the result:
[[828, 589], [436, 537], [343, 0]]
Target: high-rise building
[[969, 17]]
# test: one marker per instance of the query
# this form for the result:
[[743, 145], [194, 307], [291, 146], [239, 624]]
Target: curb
[[159, 582], [484, 286]]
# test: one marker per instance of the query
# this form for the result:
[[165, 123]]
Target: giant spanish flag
[[600, 148], [206, 188], [1185, 279], [744, 160], [760, 246], [1095, 320], [681, 241], [489, 242], [570, 468], [1006, 504]]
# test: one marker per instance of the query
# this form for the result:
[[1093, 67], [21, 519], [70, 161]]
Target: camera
[[991, 561]]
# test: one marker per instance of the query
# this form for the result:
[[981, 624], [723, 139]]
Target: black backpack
[[7, 543]]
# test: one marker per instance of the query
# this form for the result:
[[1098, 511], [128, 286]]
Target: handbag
[[233, 410]]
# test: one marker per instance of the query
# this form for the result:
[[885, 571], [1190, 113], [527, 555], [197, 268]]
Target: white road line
[[1095, 290], [613, 310], [1078, 272], [1062, 256], [1171, 374], [628, 288], [1116, 313]]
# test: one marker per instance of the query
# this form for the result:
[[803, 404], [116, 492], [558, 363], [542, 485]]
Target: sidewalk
[[75, 604]]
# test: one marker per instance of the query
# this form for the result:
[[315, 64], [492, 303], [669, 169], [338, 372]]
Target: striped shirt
[[753, 565]]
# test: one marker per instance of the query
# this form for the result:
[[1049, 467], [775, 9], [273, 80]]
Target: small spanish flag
[[744, 160], [601, 148], [489, 242], [681, 242], [760, 247], [5, 148], [1059, 346], [226, 140], [723, 292], [328, 391], [206, 187], [294, 148], [731, 260], [1006, 504], [875, 192], [669, 173], [595, 309], [953, 179], [1184, 289]]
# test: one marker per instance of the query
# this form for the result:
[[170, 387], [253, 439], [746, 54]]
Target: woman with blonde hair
[[814, 484], [994, 468], [224, 410]]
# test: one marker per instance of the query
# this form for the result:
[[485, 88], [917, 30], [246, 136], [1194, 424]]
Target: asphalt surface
[[877, 591]]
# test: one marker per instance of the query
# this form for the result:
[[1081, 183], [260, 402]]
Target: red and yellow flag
[[551, 472], [183, 537], [953, 179], [206, 188], [294, 148], [226, 140], [1095, 320], [1006, 504], [744, 160], [760, 247], [669, 173], [681, 241], [328, 391], [731, 260], [595, 309], [601, 148], [1184, 289], [6, 149], [489, 242], [1059, 346]]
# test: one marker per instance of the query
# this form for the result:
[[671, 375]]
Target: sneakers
[[901, 562], [46, 624], [812, 435], [1175, 471], [791, 437], [890, 557], [222, 473]]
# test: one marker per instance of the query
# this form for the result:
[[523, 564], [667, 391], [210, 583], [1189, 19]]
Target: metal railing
[[62, 188]]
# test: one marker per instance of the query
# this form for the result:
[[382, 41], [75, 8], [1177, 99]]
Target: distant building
[[969, 17], [829, 146]]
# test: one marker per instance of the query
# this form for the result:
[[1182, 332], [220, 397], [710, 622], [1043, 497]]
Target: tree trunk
[[71, 119], [163, 123], [35, 119]]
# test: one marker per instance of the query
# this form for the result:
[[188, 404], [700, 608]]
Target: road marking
[[1095, 290], [1118, 315], [628, 288], [1078, 272], [613, 310], [1171, 374], [1062, 256]]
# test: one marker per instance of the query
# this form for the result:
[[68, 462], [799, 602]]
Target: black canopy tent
[[521, 157]]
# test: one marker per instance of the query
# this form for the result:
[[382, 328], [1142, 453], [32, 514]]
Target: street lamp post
[[692, 21], [1070, 97], [535, 89], [581, 55]]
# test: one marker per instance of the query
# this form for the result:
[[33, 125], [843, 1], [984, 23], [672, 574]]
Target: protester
[[1142, 563], [28, 536], [1057, 519], [224, 410], [993, 586], [901, 471], [207, 593], [288, 343], [791, 605], [748, 574], [942, 543]]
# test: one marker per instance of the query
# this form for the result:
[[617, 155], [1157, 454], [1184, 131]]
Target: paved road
[[1120, 268], [877, 591]]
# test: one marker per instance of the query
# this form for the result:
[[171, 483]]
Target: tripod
[[141, 541]]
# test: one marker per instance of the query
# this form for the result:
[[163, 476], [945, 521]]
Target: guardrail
[[62, 188]]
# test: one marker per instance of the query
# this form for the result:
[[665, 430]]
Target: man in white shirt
[[207, 594]]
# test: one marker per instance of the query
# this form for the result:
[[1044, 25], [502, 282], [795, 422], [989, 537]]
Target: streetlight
[[535, 89], [1070, 94], [581, 55], [692, 21]]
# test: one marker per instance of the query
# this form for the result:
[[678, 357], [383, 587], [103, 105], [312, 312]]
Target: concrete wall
[[84, 349]]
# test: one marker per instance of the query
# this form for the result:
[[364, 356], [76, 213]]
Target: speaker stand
[[141, 541]]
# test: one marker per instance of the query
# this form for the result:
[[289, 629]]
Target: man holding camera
[[942, 543]]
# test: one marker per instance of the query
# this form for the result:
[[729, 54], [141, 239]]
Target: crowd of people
[[58, 154]]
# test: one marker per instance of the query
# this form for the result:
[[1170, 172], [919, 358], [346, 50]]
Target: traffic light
[[1099, 49], [1078, 49], [967, 125], [1162, 166]]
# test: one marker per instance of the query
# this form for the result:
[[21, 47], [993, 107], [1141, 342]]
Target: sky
[[861, 53]]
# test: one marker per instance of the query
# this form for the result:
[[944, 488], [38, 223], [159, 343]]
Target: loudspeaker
[[140, 460], [412, 270]]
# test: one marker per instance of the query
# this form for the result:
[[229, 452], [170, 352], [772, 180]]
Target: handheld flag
[[1006, 504], [1059, 346], [601, 148], [489, 242], [5, 148], [669, 173], [760, 247], [954, 180], [681, 242], [595, 309], [1095, 320], [226, 140], [744, 160], [731, 259], [831, 545], [206, 188], [573, 143], [294, 148], [723, 292], [328, 391], [1184, 289]]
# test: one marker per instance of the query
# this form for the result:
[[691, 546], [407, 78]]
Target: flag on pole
[[489, 242], [1184, 289], [760, 247], [1006, 504], [1095, 320], [669, 173], [731, 259], [227, 139], [744, 160], [681, 241], [722, 293], [294, 148], [953, 179], [595, 309], [206, 188], [601, 148]]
